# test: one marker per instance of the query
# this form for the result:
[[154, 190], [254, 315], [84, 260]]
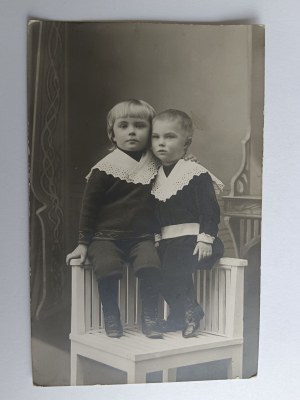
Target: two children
[[188, 213], [117, 222]]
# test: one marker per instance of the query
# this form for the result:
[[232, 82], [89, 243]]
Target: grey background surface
[[200, 70], [279, 351]]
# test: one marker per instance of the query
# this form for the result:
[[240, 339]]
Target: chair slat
[[232, 301], [227, 299], [95, 303], [203, 288], [123, 296], [197, 284], [101, 317], [78, 311], [222, 301], [215, 301], [130, 296], [138, 303], [208, 310], [88, 298]]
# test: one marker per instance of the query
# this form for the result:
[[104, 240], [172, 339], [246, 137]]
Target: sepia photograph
[[145, 144]]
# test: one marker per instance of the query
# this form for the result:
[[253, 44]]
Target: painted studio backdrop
[[77, 72]]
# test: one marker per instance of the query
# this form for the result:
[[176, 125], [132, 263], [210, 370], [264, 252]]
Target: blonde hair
[[128, 109], [179, 116]]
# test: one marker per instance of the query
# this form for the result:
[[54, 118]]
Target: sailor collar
[[121, 165], [183, 172]]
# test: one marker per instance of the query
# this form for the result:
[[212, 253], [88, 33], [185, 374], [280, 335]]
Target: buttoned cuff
[[157, 237], [205, 238], [85, 237]]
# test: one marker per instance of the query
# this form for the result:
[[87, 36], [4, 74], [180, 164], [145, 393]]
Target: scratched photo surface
[[77, 71]]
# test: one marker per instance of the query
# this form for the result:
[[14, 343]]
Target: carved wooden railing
[[242, 212], [46, 145]]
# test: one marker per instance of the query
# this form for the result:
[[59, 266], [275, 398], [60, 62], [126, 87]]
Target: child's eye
[[140, 125], [154, 136], [123, 125]]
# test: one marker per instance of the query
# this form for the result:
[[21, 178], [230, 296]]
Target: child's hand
[[190, 157], [204, 250], [79, 252]]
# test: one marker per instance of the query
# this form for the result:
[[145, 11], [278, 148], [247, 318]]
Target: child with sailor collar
[[188, 213], [117, 223]]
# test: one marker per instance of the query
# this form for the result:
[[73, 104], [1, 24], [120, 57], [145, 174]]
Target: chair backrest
[[219, 291]]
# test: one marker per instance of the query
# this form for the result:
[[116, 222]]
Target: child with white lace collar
[[117, 223], [188, 213]]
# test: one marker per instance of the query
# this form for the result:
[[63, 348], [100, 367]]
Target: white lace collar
[[165, 187], [121, 165]]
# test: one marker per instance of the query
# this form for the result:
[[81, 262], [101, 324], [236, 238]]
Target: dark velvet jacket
[[113, 208], [196, 202]]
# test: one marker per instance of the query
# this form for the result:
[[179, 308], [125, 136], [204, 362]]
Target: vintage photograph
[[145, 145]]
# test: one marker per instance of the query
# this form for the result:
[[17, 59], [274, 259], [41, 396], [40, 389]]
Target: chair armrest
[[233, 262], [75, 262]]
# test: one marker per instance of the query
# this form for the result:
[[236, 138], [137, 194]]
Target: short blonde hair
[[178, 116], [128, 109]]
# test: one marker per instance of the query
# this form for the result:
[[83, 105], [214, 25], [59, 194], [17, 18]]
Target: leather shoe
[[113, 326], [192, 321], [150, 328]]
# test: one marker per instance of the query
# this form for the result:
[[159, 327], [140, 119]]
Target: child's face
[[131, 134], [169, 141]]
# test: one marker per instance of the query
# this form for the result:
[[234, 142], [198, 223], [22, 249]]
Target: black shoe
[[151, 328], [190, 329], [192, 321], [113, 326]]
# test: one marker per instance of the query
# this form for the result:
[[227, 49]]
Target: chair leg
[[136, 375], [76, 369], [169, 375], [235, 365]]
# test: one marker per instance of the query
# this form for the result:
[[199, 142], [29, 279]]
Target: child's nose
[[132, 131]]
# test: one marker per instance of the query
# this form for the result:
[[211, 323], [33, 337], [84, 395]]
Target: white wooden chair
[[219, 291]]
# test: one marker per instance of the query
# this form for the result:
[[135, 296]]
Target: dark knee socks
[[179, 293], [149, 281], [149, 289], [108, 291]]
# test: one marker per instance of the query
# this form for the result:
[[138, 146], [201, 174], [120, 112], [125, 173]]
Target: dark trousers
[[179, 293], [150, 281]]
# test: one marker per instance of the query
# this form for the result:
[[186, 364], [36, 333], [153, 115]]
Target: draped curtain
[[46, 123]]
